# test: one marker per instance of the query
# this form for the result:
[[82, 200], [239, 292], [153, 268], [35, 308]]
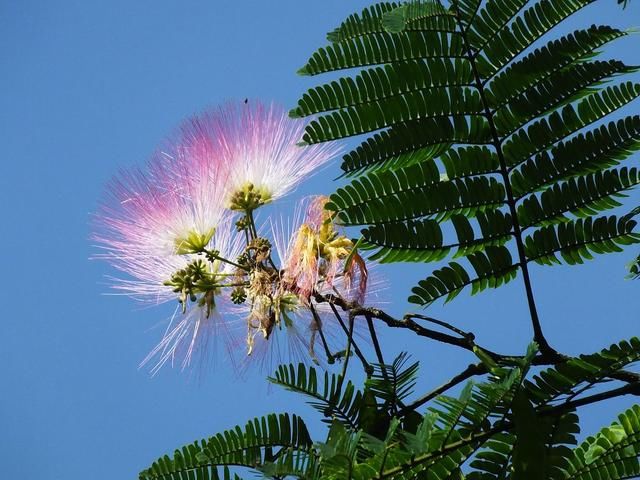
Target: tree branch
[[628, 389], [470, 371], [466, 341], [358, 310], [365, 364]]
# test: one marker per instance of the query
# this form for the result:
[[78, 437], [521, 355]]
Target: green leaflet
[[570, 84], [421, 16], [441, 200], [423, 241], [611, 454], [544, 62], [546, 132], [577, 241], [467, 11], [382, 48], [388, 148], [494, 459], [250, 447], [582, 196], [527, 27], [361, 24], [382, 83], [415, 105], [450, 119], [493, 268], [491, 19], [634, 268], [333, 398], [529, 452], [412, 14], [393, 383], [561, 380], [592, 151]]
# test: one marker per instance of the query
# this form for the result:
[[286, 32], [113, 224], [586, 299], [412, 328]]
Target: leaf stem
[[347, 354], [628, 389], [374, 339], [538, 336]]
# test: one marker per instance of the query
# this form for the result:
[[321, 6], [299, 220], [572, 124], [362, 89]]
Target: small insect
[[246, 100]]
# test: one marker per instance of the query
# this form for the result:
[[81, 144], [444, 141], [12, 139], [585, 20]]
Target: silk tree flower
[[166, 227], [257, 144], [173, 206]]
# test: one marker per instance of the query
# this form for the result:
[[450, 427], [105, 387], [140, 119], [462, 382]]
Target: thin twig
[[468, 343], [318, 321], [365, 364], [628, 389], [470, 371], [345, 364], [446, 325], [215, 256], [378, 350], [374, 339]]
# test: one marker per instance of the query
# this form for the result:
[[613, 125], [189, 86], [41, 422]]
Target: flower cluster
[[185, 228]]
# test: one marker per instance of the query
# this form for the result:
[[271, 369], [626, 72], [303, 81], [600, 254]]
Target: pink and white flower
[[170, 226], [258, 146], [153, 214], [152, 224]]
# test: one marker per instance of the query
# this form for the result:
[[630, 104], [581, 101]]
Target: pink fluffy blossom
[[178, 213], [147, 226], [258, 146], [149, 214]]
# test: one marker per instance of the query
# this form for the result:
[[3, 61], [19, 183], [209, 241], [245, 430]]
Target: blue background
[[88, 87]]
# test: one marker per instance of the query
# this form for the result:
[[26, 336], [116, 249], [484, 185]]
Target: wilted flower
[[283, 318], [257, 144], [319, 253]]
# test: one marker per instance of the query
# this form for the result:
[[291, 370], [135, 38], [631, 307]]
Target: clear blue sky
[[87, 87]]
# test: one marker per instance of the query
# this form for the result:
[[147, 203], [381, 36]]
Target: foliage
[[485, 149], [262, 440], [634, 268], [503, 424], [489, 146]]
